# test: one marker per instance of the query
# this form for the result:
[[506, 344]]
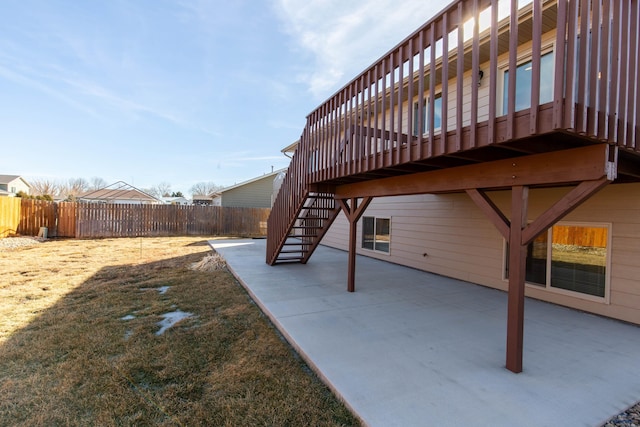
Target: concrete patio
[[410, 348]]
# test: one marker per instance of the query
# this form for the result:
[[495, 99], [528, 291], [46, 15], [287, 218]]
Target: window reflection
[[523, 84]]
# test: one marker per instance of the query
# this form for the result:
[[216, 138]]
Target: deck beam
[[547, 169]]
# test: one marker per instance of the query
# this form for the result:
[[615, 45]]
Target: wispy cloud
[[134, 107], [281, 124], [246, 156], [260, 158], [109, 71], [74, 91], [26, 80], [346, 37]]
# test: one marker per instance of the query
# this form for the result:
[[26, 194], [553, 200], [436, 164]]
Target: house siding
[[256, 194], [460, 242], [15, 186], [524, 53]]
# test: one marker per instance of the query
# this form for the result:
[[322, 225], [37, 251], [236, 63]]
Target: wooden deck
[[366, 130], [367, 125], [443, 112]]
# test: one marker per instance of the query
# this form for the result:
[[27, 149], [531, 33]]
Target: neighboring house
[[202, 199], [216, 199], [505, 153], [176, 201], [254, 193], [10, 185], [119, 193]]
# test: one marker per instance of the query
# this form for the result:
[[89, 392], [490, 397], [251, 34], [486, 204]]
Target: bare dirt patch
[[79, 342]]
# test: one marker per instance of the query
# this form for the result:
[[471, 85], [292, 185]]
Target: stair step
[[296, 259], [316, 210]]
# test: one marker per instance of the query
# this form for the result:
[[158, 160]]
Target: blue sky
[[178, 91]]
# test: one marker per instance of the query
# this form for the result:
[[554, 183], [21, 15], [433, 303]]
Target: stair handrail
[[289, 200]]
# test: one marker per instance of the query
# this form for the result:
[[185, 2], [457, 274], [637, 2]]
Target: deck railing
[[290, 199], [471, 48], [448, 87]]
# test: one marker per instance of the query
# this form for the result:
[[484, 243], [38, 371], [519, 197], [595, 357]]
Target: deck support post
[[517, 269], [353, 212], [351, 273], [519, 234]]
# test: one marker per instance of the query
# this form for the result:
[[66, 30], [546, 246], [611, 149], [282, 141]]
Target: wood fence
[[596, 237], [58, 218], [9, 215], [89, 220], [113, 220]]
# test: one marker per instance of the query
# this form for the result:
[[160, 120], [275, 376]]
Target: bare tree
[[43, 187], [164, 189], [73, 188], [161, 190], [77, 186], [96, 183], [152, 191], [204, 188]]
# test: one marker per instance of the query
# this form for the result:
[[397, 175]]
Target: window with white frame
[[376, 233], [570, 258], [437, 115], [523, 83], [313, 161]]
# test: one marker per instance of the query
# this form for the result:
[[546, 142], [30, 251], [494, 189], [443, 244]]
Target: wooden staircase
[[299, 217], [318, 212]]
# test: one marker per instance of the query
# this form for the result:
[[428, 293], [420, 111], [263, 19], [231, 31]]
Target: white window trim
[[524, 57], [374, 241], [547, 286], [436, 130]]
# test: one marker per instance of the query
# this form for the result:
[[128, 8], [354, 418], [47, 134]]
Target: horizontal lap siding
[[455, 236], [256, 194], [461, 243], [483, 90]]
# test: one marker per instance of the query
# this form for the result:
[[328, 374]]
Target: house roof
[[118, 191], [5, 179], [175, 199], [274, 173], [203, 196], [290, 148]]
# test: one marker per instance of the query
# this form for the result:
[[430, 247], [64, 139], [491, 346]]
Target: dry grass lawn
[[79, 344]]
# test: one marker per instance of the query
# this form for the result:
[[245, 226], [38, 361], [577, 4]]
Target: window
[[437, 115], [523, 84], [376, 233], [313, 161], [569, 258]]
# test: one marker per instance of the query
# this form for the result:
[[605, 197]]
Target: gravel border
[[628, 418], [19, 242]]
